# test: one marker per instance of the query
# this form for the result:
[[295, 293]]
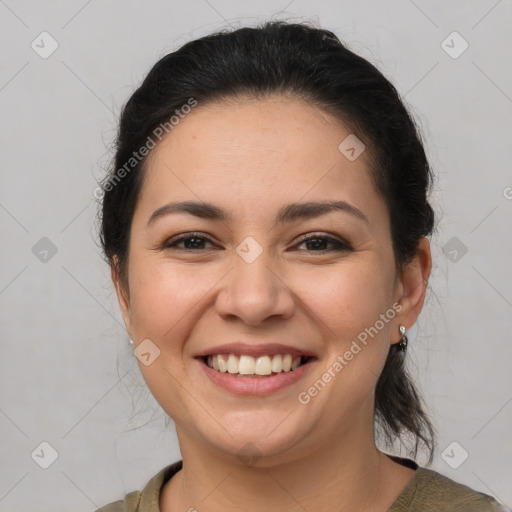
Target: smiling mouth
[[245, 366]]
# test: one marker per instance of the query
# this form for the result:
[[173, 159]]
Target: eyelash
[[339, 244]]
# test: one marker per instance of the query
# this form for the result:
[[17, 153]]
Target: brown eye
[[192, 242], [317, 243]]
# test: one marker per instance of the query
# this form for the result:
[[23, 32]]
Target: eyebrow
[[288, 213]]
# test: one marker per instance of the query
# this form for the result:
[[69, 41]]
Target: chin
[[255, 438]]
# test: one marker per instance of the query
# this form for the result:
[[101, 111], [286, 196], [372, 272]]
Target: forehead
[[247, 153]]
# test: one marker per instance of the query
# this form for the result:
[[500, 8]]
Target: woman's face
[[249, 280]]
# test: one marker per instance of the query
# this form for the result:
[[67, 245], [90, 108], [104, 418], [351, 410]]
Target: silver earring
[[130, 341], [402, 345]]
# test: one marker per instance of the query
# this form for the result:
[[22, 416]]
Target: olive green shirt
[[428, 491]]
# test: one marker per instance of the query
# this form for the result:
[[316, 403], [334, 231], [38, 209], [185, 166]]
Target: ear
[[123, 296], [412, 286]]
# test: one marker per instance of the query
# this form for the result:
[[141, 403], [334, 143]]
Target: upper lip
[[255, 350]]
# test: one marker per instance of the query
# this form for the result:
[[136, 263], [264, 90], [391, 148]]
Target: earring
[[130, 341], [402, 345]]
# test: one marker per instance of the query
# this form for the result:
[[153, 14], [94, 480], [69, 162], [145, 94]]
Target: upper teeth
[[248, 365]]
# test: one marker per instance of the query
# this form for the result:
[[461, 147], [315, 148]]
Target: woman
[[266, 225]]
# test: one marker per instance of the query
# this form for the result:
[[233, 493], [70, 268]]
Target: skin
[[250, 157]]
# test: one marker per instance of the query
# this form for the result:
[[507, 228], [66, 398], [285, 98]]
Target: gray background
[[67, 375]]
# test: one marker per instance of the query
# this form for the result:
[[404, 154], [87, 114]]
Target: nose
[[254, 291]]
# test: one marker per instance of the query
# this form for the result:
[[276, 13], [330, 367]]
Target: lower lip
[[255, 385]]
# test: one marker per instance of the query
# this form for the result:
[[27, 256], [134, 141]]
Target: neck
[[349, 475]]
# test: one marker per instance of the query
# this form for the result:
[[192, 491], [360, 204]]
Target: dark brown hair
[[310, 63]]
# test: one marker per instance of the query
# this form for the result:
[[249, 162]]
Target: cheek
[[352, 297], [350, 303], [163, 296], [355, 303]]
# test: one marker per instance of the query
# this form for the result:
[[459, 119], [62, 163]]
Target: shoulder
[[130, 503], [147, 499], [429, 490]]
